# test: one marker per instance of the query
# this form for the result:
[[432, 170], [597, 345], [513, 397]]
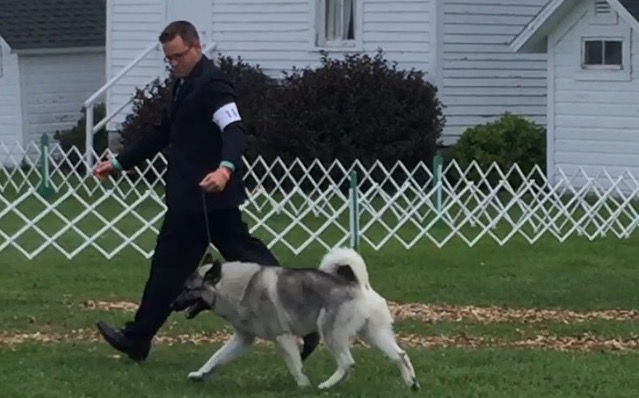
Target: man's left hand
[[216, 180]]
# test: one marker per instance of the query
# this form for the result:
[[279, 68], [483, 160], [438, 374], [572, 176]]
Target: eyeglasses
[[176, 57]]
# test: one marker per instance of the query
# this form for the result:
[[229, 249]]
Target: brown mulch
[[449, 313], [408, 311], [581, 343]]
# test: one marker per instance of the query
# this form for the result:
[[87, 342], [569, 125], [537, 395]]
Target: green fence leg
[[353, 209], [438, 166], [45, 189], [438, 162]]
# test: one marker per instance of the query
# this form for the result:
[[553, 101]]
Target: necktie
[[176, 92]]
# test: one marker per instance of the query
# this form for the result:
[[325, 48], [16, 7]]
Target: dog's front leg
[[232, 349], [287, 346]]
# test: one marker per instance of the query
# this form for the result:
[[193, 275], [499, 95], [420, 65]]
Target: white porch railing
[[89, 104], [303, 205]]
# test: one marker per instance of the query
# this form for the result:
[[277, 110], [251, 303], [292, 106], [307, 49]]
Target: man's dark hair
[[184, 29]]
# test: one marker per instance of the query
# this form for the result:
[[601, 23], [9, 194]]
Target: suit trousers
[[181, 244]]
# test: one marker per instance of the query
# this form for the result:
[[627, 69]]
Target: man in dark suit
[[203, 130]]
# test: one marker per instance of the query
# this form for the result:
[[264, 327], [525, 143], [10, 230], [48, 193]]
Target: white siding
[[274, 34], [278, 35], [54, 87], [481, 77], [10, 113], [596, 122], [403, 29], [463, 45], [132, 25]]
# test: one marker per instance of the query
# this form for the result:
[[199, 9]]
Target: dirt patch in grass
[[409, 311], [449, 313], [584, 343]]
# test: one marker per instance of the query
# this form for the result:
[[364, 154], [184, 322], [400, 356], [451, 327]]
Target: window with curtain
[[336, 22]]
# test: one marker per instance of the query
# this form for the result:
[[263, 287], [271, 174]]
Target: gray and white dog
[[279, 304]]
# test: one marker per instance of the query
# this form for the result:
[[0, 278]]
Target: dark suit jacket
[[196, 144]]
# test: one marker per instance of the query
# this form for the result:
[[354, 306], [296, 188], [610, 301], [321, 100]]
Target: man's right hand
[[103, 170]]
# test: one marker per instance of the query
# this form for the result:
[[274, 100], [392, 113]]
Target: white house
[[592, 112], [52, 57], [462, 45]]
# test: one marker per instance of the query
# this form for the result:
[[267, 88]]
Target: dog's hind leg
[[338, 344], [232, 349], [287, 347], [381, 335]]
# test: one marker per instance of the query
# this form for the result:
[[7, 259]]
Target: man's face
[[181, 56]]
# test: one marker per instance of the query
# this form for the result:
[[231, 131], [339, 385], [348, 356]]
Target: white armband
[[226, 115]]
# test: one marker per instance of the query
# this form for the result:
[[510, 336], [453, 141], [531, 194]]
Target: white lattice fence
[[301, 205]]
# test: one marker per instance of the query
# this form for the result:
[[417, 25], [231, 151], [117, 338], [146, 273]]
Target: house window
[[602, 54], [335, 24]]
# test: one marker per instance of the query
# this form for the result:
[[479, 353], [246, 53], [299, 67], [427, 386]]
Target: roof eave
[[624, 14], [532, 38], [3, 43]]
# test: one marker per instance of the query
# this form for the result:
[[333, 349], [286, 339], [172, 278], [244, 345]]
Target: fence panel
[[56, 204]]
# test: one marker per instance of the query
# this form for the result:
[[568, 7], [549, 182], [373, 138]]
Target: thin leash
[[209, 249]]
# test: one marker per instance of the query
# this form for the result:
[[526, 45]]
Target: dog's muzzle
[[191, 303]]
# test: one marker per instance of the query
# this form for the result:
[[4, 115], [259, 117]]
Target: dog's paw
[[196, 376], [304, 382], [325, 385], [415, 386]]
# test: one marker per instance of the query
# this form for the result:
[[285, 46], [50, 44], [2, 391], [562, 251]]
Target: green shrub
[[76, 137], [507, 141]]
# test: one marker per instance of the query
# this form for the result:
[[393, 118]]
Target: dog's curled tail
[[347, 263]]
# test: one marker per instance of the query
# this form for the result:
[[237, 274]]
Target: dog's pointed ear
[[346, 272], [215, 272], [208, 258]]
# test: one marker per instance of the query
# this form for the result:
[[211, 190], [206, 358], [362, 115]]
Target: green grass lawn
[[46, 295], [81, 370]]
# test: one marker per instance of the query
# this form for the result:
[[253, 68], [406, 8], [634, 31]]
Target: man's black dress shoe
[[134, 349]]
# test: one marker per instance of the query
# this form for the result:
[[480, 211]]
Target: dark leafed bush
[[360, 107]]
